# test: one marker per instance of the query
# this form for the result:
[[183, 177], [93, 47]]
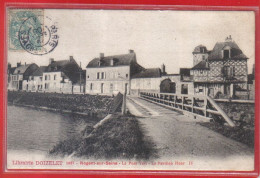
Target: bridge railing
[[197, 105]]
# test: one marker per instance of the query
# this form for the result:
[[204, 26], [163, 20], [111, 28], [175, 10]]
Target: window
[[229, 71], [54, 77], [102, 75], [40, 78], [46, 86], [46, 77], [184, 89], [91, 86], [126, 75], [98, 75], [111, 87], [203, 58], [226, 53]]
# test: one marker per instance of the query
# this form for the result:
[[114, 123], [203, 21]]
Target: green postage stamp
[[31, 31]]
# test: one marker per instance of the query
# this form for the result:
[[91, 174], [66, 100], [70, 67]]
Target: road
[[178, 136]]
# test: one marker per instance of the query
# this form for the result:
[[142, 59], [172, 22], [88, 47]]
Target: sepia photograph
[[148, 90]]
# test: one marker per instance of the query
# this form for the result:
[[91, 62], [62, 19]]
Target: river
[[39, 130]]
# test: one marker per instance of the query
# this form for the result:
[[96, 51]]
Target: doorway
[[211, 92]]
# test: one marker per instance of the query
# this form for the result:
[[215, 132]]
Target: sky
[[157, 37]]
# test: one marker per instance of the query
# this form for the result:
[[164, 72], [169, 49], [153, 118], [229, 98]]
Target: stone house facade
[[35, 80], [157, 80], [64, 76], [111, 74]]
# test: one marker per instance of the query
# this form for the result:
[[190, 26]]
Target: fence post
[[124, 103], [205, 106], [175, 100], [192, 103]]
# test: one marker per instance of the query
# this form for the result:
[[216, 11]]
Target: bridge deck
[[177, 136]]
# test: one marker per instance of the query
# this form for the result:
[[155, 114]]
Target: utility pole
[[80, 71], [124, 101]]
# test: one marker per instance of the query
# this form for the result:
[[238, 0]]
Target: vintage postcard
[[144, 90]]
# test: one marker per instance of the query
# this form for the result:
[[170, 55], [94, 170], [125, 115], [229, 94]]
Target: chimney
[[51, 60], [71, 58], [101, 55], [229, 38], [131, 51], [18, 64], [163, 69]]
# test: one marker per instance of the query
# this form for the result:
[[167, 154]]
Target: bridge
[[178, 137], [195, 105]]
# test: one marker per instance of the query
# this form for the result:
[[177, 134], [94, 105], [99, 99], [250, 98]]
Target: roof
[[39, 71], [21, 69], [201, 65], [57, 65], [185, 71], [69, 67], [11, 70], [198, 49], [149, 73], [236, 52], [119, 60]]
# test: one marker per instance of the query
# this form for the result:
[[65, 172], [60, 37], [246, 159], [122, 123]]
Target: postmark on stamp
[[33, 32]]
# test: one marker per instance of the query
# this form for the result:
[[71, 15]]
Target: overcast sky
[[157, 37]]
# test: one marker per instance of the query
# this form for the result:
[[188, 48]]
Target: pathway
[[177, 135]]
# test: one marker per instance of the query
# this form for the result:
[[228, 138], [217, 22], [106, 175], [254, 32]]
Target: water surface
[[39, 130]]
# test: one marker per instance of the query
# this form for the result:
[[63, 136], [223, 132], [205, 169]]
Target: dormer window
[[226, 53], [98, 63]]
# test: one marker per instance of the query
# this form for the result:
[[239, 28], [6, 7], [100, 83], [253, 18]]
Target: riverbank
[[243, 115], [70, 103], [121, 137]]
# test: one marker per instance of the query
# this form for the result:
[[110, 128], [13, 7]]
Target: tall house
[[200, 53], [222, 73], [111, 74]]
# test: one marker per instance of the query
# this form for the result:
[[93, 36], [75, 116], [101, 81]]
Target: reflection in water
[[30, 129]]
